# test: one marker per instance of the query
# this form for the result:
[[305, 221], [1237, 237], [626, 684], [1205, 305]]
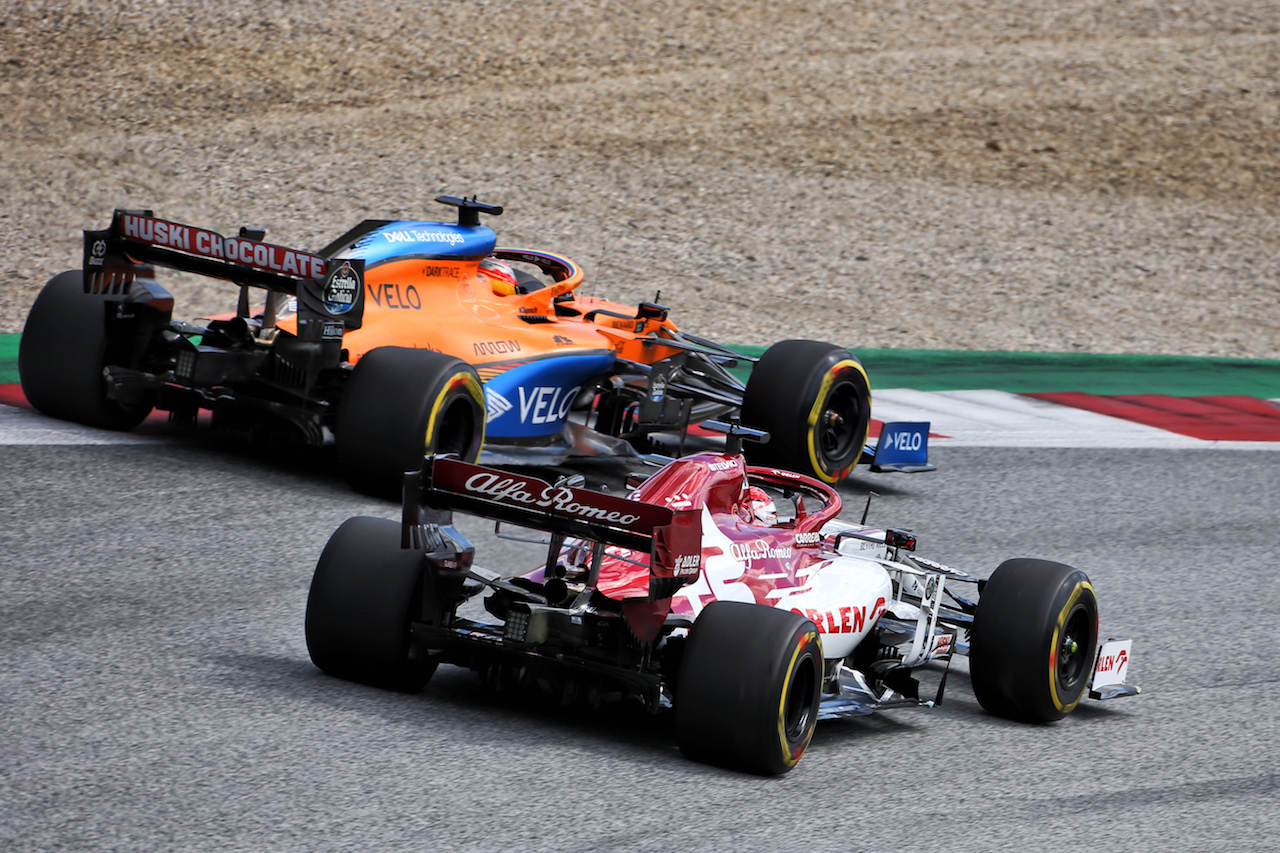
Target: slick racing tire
[[61, 354], [1034, 638], [748, 689], [365, 594], [814, 400], [401, 404]]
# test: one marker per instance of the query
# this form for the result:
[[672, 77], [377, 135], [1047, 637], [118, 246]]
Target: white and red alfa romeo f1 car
[[749, 626]]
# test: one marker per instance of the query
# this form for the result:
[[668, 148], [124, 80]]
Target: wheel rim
[[838, 423], [1074, 648], [798, 712], [456, 432]]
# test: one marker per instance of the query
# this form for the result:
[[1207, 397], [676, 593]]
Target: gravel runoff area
[[1070, 176]]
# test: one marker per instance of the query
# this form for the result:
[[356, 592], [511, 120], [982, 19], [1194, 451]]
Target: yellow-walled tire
[[1034, 639], [400, 404], [814, 400], [749, 686]]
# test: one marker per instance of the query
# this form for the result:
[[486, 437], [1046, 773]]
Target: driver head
[[763, 510], [499, 274]]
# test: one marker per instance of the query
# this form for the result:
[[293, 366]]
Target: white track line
[[23, 426], [1001, 419], [964, 418]]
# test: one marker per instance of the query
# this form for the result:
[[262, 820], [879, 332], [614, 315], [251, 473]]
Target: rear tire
[[401, 404], [814, 400], [61, 354], [749, 685], [365, 594], [1034, 638]]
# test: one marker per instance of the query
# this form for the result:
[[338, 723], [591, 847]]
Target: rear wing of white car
[[671, 537]]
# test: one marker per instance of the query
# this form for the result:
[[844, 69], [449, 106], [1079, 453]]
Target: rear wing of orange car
[[671, 537], [330, 293]]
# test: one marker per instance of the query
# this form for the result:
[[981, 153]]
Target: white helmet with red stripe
[[762, 507]]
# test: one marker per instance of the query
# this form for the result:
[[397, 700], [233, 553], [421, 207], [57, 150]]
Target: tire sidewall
[[459, 385], [802, 675], [790, 387], [1017, 634], [1081, 597], [364, 594], [744, 666], [400, 404], [61, 355], [841, 371]]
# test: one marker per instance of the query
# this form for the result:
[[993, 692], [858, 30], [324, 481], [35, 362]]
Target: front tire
[[749, 685], [1034, 638], [401, 404], [365, 595], [814, 400], [62, 352]]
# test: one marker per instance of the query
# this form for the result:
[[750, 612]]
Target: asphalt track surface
[[156, 692]]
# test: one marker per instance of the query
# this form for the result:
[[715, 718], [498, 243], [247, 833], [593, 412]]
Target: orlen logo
[[844, 620], [1113, 663]]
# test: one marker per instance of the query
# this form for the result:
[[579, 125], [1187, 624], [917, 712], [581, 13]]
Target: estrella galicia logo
[[658, 388], [341, 290]]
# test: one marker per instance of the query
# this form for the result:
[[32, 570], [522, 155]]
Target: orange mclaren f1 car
[[402, 338]]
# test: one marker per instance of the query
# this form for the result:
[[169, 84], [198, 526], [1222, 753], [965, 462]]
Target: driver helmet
[[500, 275], [762, 507]]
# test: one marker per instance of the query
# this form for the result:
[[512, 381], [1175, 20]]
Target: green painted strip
[[1044, 372], [1020, 373], [9, 358], [1015, 372]]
